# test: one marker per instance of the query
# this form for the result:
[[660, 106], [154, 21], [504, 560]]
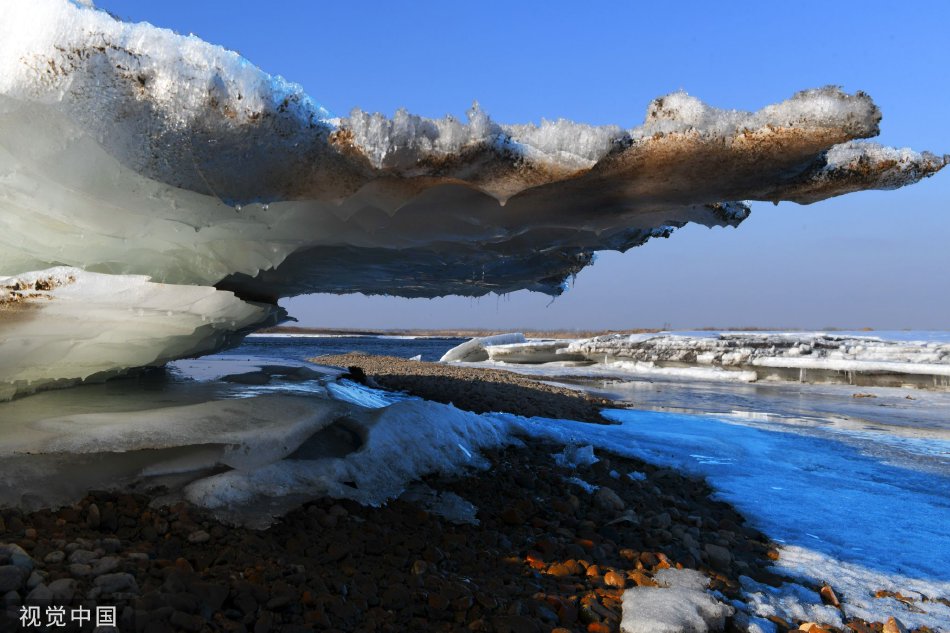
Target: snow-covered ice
[[813, 357], [128, 149]]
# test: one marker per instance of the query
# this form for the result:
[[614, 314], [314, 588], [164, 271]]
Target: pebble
[[893, 625], [543, 561], [614, 579], [11, 578], [199, 537], [828, 596], [82, 556], [719, 557], [119, 582], [609, 500], [55, 557], [41, 594], [17, 556]]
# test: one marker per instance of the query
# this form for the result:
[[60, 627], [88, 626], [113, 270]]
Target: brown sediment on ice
[[17, 292], [474, 389]]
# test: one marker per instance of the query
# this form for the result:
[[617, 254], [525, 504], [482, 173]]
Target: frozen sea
[[857, 489]]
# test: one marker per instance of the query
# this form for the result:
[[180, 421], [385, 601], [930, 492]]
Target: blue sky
[[874, 259]]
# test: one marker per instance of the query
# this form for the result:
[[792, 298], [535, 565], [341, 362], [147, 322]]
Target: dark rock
[[114, 583], [11, 578], [187, 622], [719, 557]]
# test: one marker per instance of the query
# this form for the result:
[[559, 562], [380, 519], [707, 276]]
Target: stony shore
[[474, 388], [545, 554]]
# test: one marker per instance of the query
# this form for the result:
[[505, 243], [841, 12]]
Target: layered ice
[[127, 149], [812, 357], [474, 350], [248, 453], [65, 325]]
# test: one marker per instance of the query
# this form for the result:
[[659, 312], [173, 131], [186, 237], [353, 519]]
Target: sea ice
[[64, 325], [128, 149], [741, 357], [474, 350]]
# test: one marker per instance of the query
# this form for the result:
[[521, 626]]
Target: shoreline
[[546, 555]]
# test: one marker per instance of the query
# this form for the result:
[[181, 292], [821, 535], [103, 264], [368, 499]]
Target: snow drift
[[126, 149]]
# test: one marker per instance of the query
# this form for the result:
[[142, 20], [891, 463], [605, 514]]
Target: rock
[[662, 520], [614, 579], [93, 517], [719, 557], [114, 583], [16, 556], [79, 570], [35, 579], [199, 537], [55, 557], [511, 516], [40, 595], [893, 625], [11, 578], [828, 596], [11, 598], [608, 500], [82, 556], [63, 590], [515, 624], [105, 565], [185, 622]]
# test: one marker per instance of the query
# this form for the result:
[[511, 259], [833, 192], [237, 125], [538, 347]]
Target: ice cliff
[[129, 150]]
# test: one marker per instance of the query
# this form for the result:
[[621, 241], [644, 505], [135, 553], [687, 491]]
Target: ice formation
[[63, 325], [815, 357], [127, 149]]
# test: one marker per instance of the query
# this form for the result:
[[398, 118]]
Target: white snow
[[680, 604], [403, 442]]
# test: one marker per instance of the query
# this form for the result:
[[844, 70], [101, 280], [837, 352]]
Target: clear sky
[[873, 259]]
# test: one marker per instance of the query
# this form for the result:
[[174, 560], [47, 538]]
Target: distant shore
[[529, 332]]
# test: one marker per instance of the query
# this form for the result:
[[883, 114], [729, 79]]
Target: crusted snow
[[680, 604]]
